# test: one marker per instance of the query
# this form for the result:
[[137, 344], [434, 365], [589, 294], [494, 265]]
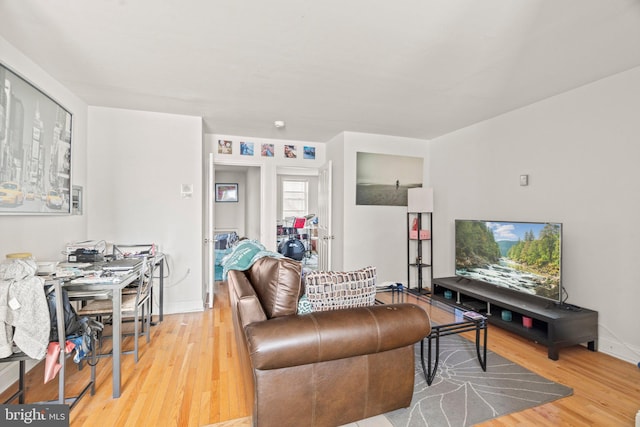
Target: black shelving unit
[[420, 251], [551, 324]]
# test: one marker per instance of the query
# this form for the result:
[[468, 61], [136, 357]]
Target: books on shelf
[[424, 234], [472, 315]]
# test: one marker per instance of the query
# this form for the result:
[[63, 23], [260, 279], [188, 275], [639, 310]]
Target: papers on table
[[96, 279]]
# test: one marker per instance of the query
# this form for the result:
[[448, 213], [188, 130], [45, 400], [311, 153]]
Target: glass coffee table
[[446, 320]]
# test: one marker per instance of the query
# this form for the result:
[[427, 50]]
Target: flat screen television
[[521, 256]]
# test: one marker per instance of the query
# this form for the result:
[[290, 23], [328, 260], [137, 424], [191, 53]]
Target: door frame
[[210, 223]]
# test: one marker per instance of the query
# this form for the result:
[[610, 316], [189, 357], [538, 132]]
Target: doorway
[[297, 219], [257, 208], [241, 216]]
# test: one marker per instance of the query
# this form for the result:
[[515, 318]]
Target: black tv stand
[[555, 325], [566, 306]]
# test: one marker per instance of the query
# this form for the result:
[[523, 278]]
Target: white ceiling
[[415, 68]]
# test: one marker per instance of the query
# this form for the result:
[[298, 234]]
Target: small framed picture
[[246, 148], [226, 192], [267, 150], [225, 147], [309, 152], [290, 152]]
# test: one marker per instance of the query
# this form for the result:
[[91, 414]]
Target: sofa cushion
[[330, 290], [337, 334], [278, 285], [244, 296]]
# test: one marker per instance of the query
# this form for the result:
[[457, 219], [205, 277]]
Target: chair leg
[[142, 318], [149, 320], [135, 336], [94, 361], [21, 382]]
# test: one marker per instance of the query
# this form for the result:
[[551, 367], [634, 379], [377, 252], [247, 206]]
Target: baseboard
[[619, 350], [181, 307]]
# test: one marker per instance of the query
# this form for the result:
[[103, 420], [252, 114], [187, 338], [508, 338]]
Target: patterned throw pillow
[[330, 290], [304, 306]]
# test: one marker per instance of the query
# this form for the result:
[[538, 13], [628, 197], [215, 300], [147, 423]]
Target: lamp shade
[[420, 199]]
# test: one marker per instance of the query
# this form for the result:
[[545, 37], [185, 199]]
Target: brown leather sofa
[[325, 368]]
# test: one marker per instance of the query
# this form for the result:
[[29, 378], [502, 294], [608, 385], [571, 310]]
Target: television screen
[[521, 256]]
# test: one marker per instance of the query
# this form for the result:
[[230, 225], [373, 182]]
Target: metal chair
[[22, 358], [136, 303]]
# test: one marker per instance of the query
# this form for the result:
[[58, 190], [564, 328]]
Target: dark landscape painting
[[383, 179]]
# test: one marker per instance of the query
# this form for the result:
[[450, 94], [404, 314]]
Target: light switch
[[524, 180], [186, 191]]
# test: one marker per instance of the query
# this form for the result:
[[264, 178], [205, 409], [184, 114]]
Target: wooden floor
[[188, 376]]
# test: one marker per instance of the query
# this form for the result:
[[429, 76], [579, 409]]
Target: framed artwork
[[384, 179], [267, 150], [246, 148], [35, 149], [225, 146], [290, 152], [226, 192], [309, 152]]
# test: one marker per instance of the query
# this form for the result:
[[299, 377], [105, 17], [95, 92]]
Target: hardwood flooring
[[188, 376]]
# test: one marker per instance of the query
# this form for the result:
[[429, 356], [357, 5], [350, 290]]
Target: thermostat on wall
[[186, 191]]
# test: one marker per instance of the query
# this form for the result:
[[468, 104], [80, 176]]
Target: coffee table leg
[[429, 370], [482, 358]]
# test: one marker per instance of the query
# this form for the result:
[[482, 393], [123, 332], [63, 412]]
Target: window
[[295, 199]]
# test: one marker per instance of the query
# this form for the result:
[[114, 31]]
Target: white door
[[325, 234], [209, 250]]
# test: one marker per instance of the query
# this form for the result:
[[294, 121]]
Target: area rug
[[462, 394]]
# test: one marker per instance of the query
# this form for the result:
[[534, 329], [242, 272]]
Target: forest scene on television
[[519, 256]]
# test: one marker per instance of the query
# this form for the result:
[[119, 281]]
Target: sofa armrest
[[330, 335]]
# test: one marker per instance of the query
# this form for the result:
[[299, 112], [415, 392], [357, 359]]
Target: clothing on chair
[[23, 305]]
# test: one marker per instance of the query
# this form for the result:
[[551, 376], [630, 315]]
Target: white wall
[[252, 222], [370, 235], [138, 162], [581, 151]]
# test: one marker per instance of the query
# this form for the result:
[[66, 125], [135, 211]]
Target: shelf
[[534, 334], [419, 247], [553, 325]]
